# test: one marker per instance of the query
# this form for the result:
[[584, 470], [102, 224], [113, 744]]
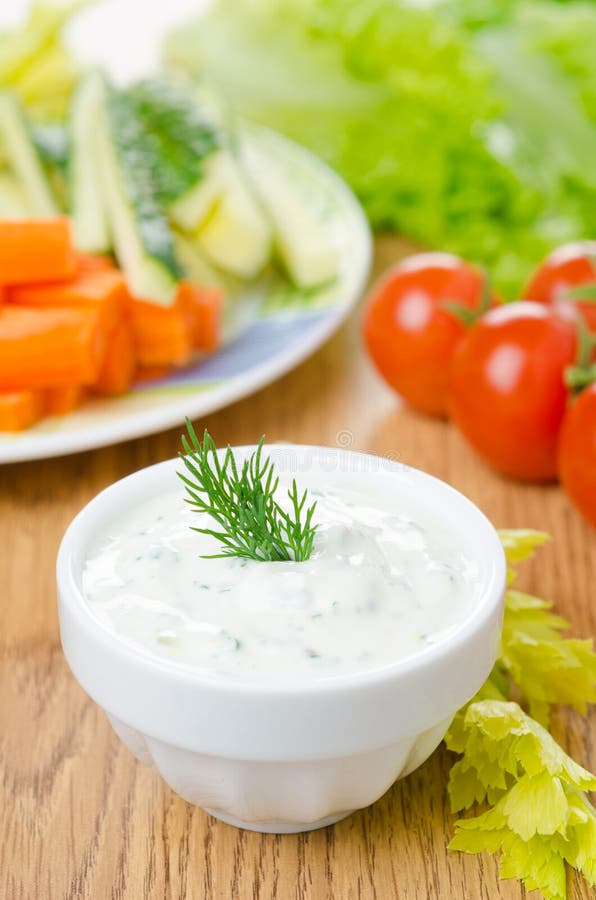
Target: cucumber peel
[[20, 154], [87, 208], [140, 231]]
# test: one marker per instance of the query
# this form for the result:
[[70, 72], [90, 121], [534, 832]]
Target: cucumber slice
[[90, 225], [22, 157], [237, 236], [51, 141], [141, 235], [184, 138], [196, 268], [302, 241], [192, 208], [13, 202], [188, 149]]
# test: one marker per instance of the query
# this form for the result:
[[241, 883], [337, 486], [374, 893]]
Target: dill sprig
[[242, 502]]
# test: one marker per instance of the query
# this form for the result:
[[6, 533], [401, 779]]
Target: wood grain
[[79, 818]]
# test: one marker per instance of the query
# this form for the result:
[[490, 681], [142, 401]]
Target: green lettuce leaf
[[468, 127], [540, 816], [394, 97], [544, 667]]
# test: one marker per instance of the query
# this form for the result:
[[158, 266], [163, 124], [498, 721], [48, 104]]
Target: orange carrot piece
[[162, 335], [36, 250], [61, 400], [94, 262], [119, 363], [45, 348], [20, 410], [151, 373], [203, 306], [102, 289]]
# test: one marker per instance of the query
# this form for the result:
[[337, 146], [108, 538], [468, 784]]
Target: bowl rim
[[72, 599]]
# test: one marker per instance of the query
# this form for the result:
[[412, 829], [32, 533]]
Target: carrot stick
[[203, 306], [145, 374], [20, 410], [36, 250], [44, 348], [119, 363], [61, 400], [162, 335], [93, 262], [102, 289]]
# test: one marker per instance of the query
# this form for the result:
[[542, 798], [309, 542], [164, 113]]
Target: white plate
[[281, 327]]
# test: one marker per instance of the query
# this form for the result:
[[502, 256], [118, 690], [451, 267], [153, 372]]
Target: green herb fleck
[[242, 502]]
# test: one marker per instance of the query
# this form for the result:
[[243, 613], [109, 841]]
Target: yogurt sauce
[[382, 584]]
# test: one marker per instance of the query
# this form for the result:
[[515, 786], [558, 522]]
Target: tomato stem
[[583, 373], [584, 292], [466, 315], [485, 296], [577, 377], [585, 343]]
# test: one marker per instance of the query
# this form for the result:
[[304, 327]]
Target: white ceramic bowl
[[272, 756]]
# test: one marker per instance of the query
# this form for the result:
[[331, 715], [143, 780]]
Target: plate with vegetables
[[157, 259]]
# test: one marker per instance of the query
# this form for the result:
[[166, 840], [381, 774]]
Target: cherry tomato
[[409, 332], [570, 266], [577, 453], [507, 392]]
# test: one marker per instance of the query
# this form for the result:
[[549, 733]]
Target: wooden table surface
[[79, 818]]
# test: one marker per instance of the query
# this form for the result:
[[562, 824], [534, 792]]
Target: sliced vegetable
[[34, 63], [20, 410], [145, 374], [196, 268], [237, 236], [23, 158], [94, 262], [50, 347], [577, 453], [61, 400], [142, 237], [191, 209], [303, 241], [415, 318], [203, 308], [13, 201], [119, 363], [185, 140], [51, 142], [507, 390], [102, 289], [162, 335], [86, 202], [36, 250]]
